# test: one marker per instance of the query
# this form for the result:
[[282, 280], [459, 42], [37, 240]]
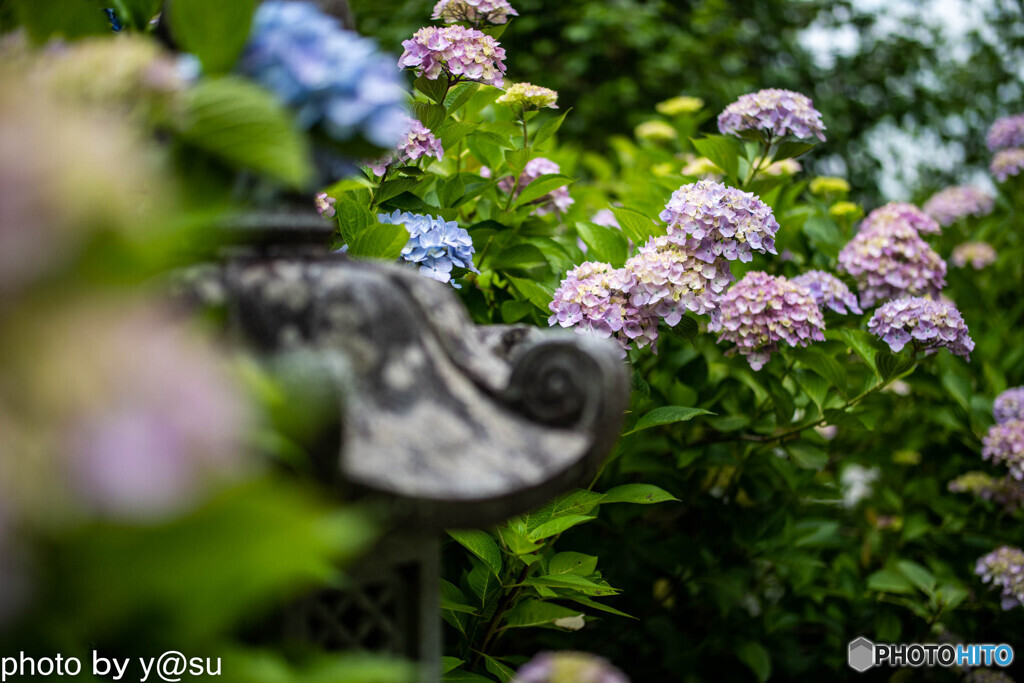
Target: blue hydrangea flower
[[330, 76], [436, 245]]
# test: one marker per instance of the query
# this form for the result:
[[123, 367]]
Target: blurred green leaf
[[215, 32], [68, 18], [755, 656], [724, 152], [888, 581], [541, 186]]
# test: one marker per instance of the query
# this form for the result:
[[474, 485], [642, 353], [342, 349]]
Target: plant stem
[[526, 133], [503, 607]]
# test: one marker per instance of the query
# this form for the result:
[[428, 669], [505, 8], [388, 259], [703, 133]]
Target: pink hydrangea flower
[[979, 254], [458, 52], [1007, 163], [959, 201], [1009, 405], [1006, 132], [901, 213], [418, 142], [829, 291], [775, 113], [928, 324], [889, 260]]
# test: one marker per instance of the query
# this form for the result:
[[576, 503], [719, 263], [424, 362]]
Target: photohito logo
[[863, 654]]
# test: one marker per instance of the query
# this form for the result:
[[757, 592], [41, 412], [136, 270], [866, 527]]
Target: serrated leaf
[[605, 244], [888, 581], [724, 152], [365, 236], [482, 582], [557, 525], [667, 415], [823, 364], [636, 225], [394, 187], [429, 114], [917, 575], [892, 365], [536, 293], [529, 613], [755, 656], [215, 32], [862, 344], [687, 329], [246, 127], [572, 582], [791, 149], [449, 663], [549, 128], [435, 89], [541, 186], [807, 456], [480, 544], [517, 160], [454, 131], [640, 494], [459, 95], [502, 671], [572, 563]]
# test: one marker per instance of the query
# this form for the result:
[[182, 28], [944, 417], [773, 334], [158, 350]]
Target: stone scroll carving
[[458, 424]]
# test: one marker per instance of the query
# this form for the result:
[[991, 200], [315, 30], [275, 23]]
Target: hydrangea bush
[[822, 437]]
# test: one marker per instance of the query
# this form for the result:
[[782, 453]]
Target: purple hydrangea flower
[[762, 310], [1004, 568], [773, 113], [828, 290], [325, 205], [606, 218], [930, 324], [330, 76], [556, 201], [474, 12], [457, 52], [1005, 492], [1004, 445], [1006, 163], [594, 299], [959, 201], [901, 213], [418, 142], [670, 280], [569, 667], [889, 260], [979, 254], [436, 245], [1009, 405], [1006, 132], [723, 221]]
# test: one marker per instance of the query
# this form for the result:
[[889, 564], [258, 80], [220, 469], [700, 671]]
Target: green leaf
[[959, 387], [502, 671], [557, 526], [528, 613], [480, 544], [461, 676], [449, 663], [572, 563], [890, 365], [215, 32], [435, 89], [917, 575], [367, 238], [541, 186], [604, 244], [518, 257], [459, 95], [888, 581], [517, 160], [807, 456], [862, 343], [68, 18], [755, 656], [572, 582], [137, 13], [791, 149], [641, 494], [724, 152], [245, 126], [429, 114], [593, 604], [482, 582], [823, 364], [687, 329], [636, 225], [536, 293], [549, 128], [454, 131], [451, 595], [394, 187], [667, 415]]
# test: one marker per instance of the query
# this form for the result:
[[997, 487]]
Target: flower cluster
[[773, 113], [978, 254], [829, 291], [330, 76], [528, 97], [930, 324], [419, 142], [475, 12], [569, 667], [670, 280], [325, 205], [889, 260], [656, 131], [724, 221], [901, 213], [959, 201], [593, 298], [437, 246], [1004, 568], [1005, 492], [1009, 405], [457, 52], [1004, 444], [762, 310], [680, 105], [1006, 163], [1006, 132], [558, 200], [826, 185]]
